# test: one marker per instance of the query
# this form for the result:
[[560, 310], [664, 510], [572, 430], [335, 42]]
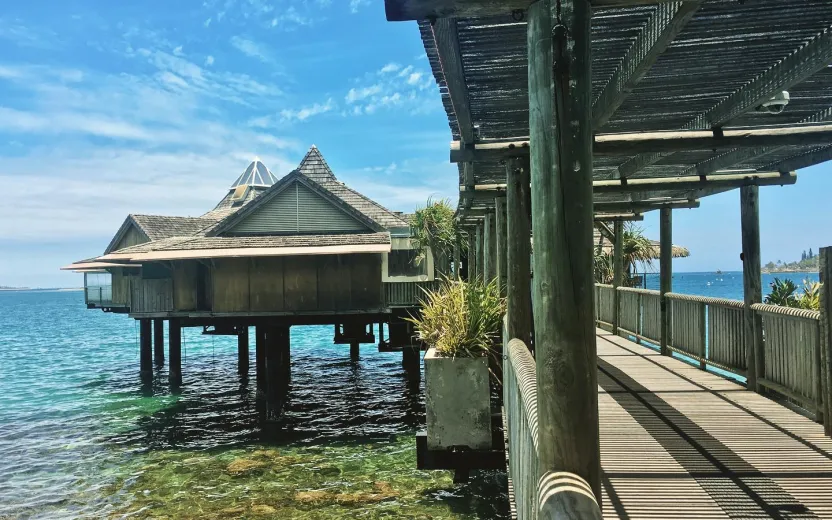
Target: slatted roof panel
[[723, 48]]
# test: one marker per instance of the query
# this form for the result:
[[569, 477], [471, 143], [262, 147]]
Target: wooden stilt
[[618, 272], [752, 280], [472, 253], [242, 350], [479, 248], [276, 338], [354, 351], [457, 259], [175, 351], [665, 275], [500, 246], [145, 347], [159, 341], [560, 109], [260, 358], [518, 251], [489, 247]]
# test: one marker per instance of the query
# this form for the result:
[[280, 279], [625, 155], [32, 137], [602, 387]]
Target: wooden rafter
[[804, 160], [404, 10], [666, 23], [791, 70]]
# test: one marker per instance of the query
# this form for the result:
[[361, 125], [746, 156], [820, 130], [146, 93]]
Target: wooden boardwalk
[[678, 442]]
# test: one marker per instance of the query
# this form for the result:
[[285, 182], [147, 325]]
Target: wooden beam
[[694, 183], [404, 10], [752, 281], [665, 275], [804, 160], [662, 141], [643, 206], [561, 187], [446, 40], [618, 272], [664, 25], [518, 255], [613, 217], [813, 57]]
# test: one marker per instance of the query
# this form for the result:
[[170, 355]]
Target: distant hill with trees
[[808, 263]]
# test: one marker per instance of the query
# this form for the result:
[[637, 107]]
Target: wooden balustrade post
[[665, 274], [703, 336], [560, 130], [618, 273], [518, 259], [500, 245], [752, 282], [826, 337]]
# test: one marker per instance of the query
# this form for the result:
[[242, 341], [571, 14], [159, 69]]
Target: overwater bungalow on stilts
[[275, 252], [569, 115]]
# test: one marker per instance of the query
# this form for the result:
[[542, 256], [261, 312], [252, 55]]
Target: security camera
[[775, 105]]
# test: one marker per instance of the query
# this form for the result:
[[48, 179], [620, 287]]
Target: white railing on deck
[[712, 332], [554, 494], [791, 353]]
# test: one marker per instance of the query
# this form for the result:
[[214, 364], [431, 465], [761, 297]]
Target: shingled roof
[[161, 226]]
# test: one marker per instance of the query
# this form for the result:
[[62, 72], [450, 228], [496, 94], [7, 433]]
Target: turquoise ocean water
[[80, 437]]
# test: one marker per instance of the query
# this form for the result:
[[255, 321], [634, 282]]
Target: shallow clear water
[[81, 438]]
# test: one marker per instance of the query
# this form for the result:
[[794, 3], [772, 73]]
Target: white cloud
[[355, 5], [393, 86], [209, 61], [251, 49], [306, 112], [362, 93], [390, 67], [178, 51], [414, 78]]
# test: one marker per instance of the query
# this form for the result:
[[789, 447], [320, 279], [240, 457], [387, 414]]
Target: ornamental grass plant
[[461, 318]]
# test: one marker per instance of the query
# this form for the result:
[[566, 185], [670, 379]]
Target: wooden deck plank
[[680, 442]]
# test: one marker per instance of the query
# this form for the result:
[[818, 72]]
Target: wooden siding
[[335, 282], [151, 295], [297, 209], [184, 286], [231, 285], [121, 288], [132, 237], [266, 282]]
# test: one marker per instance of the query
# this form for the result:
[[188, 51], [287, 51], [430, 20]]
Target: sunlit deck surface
[[678, 442]]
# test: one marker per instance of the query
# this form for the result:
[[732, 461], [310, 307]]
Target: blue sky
[[108, 108]]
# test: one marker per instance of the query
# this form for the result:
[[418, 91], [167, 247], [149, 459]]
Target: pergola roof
[[693, 65]]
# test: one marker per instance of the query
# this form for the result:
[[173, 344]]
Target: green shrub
[[460, 318]]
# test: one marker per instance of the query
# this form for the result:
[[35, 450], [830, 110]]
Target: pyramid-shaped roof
[[315, 167], [255, 175]]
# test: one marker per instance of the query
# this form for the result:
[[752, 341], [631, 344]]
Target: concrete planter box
[[457, 402]]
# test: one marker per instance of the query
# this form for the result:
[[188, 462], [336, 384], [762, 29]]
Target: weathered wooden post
[[277, 347], [472, 252], [457, 259], [355, 351], [617, 272], [752, 280], [826, 336], [242, 350], [175, 351], [518, 259], [560, 110], [500, 246], [145, 348], [260, 358], [489, 236], [665, 275], [480, 255], [159, 341]]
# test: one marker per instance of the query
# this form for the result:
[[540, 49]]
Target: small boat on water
[[718, 271]]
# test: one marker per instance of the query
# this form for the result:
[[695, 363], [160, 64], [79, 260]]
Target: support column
[[665, 274], [354, 351], [175, 351], [502, 258], [159, 341], [242, 350], [518, 251], [560, 109], [752, 280], [472, 253], [825, 261], [489, 247], [276, 338], [145, 348], [480, 256], [617, 272], [260, 358], [457, 259]]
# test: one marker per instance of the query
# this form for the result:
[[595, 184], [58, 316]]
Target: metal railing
[[712, 331], [535, 495], [406, 294], [99, 295]]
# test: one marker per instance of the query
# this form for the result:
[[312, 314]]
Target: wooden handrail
[[562, 495]]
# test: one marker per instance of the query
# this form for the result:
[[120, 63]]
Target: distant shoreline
[[38, 289]]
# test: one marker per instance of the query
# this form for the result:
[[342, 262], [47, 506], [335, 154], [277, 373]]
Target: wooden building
[[302, 249]]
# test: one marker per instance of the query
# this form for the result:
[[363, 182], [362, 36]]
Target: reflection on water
[[81, 437]]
